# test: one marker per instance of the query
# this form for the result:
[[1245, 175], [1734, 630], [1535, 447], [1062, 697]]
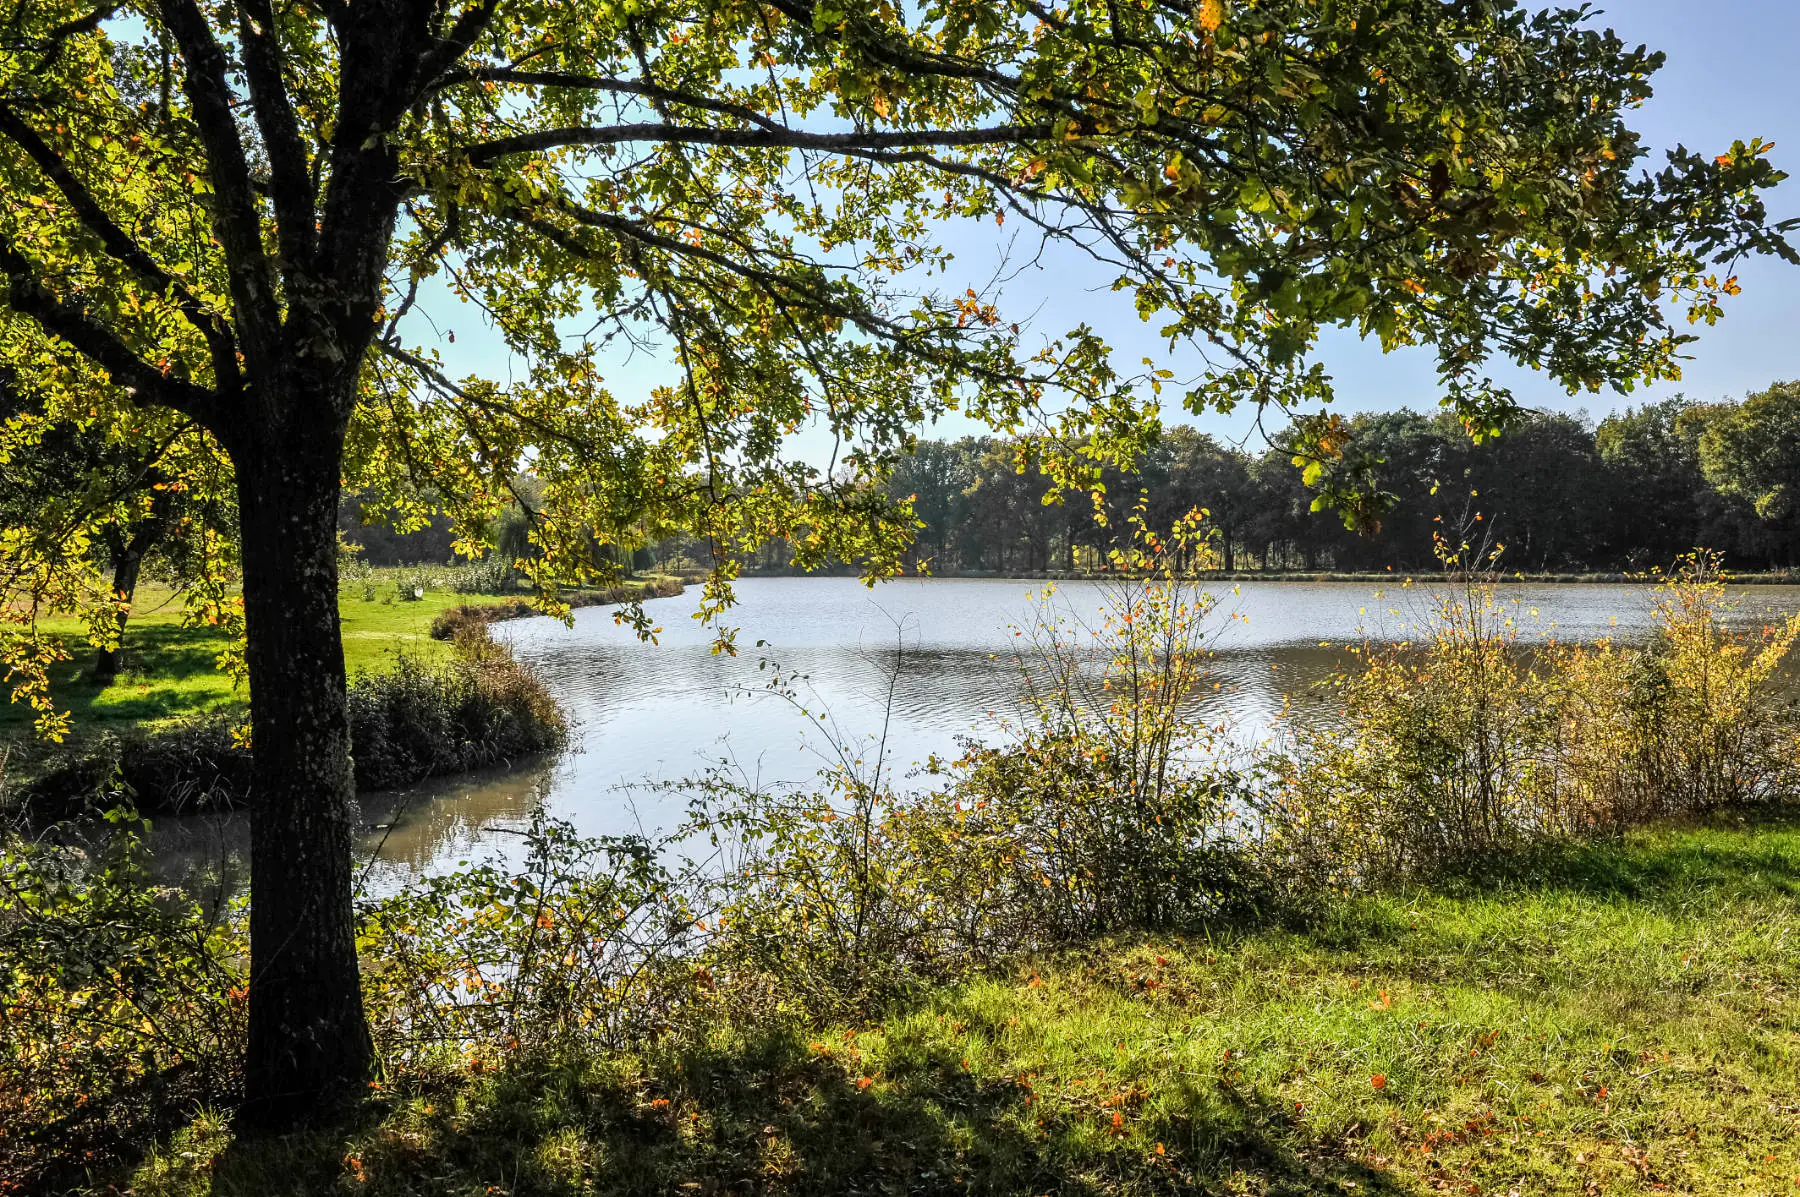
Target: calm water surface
[[646, 713]]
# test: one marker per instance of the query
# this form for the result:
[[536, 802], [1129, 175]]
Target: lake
[[647, 713]]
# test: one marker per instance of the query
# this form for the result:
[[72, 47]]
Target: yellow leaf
[[1211, 13]]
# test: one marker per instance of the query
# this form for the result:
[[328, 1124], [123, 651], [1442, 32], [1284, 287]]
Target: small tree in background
[[85, 504]]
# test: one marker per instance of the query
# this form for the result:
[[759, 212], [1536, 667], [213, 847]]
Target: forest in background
[[1560, 493]]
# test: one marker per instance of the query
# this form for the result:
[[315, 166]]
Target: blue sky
[[1729, 76]]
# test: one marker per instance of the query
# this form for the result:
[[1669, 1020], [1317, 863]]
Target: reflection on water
[[412, 828], [664, 711], [404, 832]]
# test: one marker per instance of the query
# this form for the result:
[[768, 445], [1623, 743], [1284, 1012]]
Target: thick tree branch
[[290, 172], [884, 49], [59, 37], [457, 42], [769, 282], [382, 45], [239, 229], [628, 87], [26, 294], [770, 137]]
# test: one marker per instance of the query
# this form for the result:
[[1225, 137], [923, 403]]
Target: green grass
[[173, 670], [1617, 1019]]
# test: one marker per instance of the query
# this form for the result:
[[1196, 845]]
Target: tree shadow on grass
[[777, 1114], [1723, 853], [168, 669], [1746, 855]]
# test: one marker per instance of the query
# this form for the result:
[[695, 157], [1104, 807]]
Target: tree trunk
[[309, 1044], [128, 561]]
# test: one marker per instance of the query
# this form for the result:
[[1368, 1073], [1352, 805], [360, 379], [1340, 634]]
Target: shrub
[[451, 623], [491, 575], [1109, 807], [122, 1001], [1691, 722], [194, 762], [417, 720], [589, 941], [1128, 798], [1444, 751], [412, 585], [466, 618], [625, 592], [1466, 744]]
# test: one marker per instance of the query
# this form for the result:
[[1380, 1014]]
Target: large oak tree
[[233, 214]]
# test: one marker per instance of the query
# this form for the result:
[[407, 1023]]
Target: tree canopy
[[758, 187], [1752, 451], [233, 220]]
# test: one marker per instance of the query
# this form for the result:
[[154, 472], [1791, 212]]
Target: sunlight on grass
[[173, 670], [1610, 1019]]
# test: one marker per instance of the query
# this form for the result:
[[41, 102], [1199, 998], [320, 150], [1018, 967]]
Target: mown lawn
[[1619, 1019], [172, 670]]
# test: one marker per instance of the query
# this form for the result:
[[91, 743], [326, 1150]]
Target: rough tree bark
[[296, 372], [308, 1037]]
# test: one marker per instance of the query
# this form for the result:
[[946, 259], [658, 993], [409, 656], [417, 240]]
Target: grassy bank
[[167, 731], [1620, 1018], [1505, 928], [171, 670]]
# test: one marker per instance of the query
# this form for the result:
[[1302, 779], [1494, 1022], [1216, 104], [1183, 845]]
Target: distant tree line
[[1559, 493], [378, 543], [370, 530]]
